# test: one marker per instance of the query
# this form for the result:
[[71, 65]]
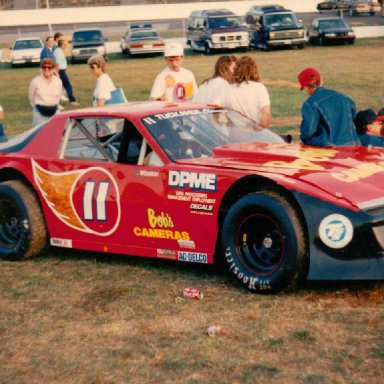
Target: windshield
[[281, 20], [223, 22], [195, 133], [144, 35], [87, 36], [325, 24], [27, 44]]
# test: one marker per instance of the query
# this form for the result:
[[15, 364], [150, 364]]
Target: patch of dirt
[[98, 299]]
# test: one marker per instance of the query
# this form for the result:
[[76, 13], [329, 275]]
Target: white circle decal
[[336, 231]]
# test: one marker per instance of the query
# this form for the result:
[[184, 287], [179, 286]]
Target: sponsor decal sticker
[[192, 180], [166, 254], [87, 200], [64, 243], [186, 244], [201, 208], [359, 172], [160, 227], [306, 159], [193, 257], [336, 231], [145, 173]]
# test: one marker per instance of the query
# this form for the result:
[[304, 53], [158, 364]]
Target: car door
[[96, 195]]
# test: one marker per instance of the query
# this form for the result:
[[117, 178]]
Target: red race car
[[193, 183]]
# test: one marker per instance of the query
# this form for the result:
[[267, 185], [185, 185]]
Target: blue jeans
[[66, 84], [2, 134]]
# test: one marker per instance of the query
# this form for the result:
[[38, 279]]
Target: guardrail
[[17, 18]]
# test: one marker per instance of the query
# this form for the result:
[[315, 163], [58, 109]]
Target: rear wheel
[[264, 243], [22, 227]]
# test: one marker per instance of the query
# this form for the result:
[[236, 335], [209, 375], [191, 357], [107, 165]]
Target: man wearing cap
[[370, 128], [174, 83], [327, 115]]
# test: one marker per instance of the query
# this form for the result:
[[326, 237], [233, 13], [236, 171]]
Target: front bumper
[[25, 60], [230, 44], [360, 258], [283, 42], [145, 51]]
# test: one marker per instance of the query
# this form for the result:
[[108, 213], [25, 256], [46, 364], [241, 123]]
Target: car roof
[[136, 109], [266, 7], [87, 29], [27, 38], [213, 13], [329, 18]]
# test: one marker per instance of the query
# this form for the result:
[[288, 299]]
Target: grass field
[[78, 317]]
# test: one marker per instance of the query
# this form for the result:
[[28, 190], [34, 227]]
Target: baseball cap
[[308, 77], [364, 118], [174, 49]]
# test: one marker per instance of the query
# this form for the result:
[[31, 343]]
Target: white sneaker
[[61, 108], [64, 98], [74, 103]]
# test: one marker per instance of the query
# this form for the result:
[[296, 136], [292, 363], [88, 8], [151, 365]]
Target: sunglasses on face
[[93, 66], [47, 67]]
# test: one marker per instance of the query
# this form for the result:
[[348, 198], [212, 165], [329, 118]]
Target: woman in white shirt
[[104, 85], [247, 94], [214, 89]]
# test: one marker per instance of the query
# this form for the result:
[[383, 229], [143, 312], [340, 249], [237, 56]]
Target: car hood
[[335, 30], [227, 29], [353, 174], [283, 27], [87, 44]]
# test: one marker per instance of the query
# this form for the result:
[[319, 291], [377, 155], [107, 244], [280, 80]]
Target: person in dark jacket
[[327, 115], [369, 127]]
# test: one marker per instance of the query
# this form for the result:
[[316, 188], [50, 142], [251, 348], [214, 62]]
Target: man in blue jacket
[[47, 51], [327, 115]]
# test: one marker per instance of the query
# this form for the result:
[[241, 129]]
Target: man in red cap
[[327, 114]]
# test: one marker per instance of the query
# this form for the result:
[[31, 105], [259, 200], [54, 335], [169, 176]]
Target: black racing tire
[[264, 243], [23, 233]]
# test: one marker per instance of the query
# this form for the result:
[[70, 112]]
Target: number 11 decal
[[95, 196]]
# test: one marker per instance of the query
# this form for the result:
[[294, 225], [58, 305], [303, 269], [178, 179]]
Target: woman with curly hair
[[247, 94], [213, 89]]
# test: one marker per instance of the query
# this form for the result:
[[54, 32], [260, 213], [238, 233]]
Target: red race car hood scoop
[[340, 171]]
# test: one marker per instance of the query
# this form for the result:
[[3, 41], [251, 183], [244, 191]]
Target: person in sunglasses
[[45, 91]]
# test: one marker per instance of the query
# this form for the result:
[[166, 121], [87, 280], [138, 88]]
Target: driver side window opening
[[104, 139]]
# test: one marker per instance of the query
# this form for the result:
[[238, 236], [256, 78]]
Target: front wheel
[[264, 244], [208, 50], [22, 227]]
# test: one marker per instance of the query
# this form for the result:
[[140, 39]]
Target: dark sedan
[[330, 30], [331, 5]]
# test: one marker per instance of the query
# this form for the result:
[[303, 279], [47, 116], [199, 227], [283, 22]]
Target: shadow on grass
[[209, 272]]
